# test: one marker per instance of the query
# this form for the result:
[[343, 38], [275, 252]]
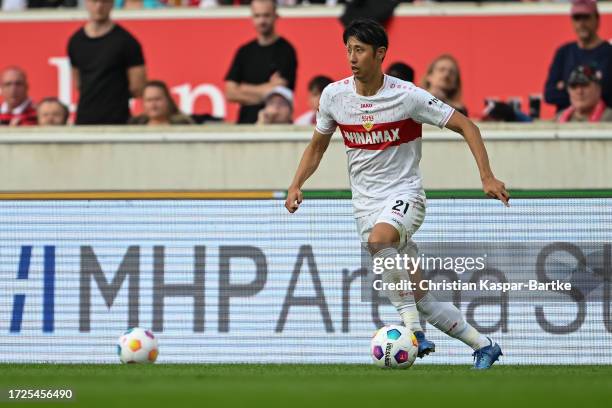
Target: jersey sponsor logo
[[366, 105], [371, 138], [381, 135]]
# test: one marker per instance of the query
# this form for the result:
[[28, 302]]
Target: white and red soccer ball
[[137, 345], [394, 346]]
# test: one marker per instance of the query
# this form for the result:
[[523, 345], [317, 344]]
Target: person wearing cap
[[278, 108], [586, 104], [589, 49], [260, 65]]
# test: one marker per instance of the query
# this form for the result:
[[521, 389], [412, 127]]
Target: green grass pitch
[[175, 386]]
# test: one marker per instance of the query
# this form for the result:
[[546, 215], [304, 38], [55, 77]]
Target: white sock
[[402, 300], [445, 317]]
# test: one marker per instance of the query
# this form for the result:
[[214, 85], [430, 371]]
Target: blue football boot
[[486, 356], [425, 346]]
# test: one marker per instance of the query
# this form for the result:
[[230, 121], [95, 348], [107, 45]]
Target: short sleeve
[[289, 67], [72, 52], [326, 125], [423, 107], [235, 72], [133, 53]]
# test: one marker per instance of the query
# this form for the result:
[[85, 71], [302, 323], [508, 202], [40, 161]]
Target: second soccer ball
[[137, 345]]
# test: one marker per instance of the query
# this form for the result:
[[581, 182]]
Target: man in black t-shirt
[[260, 65], [107, 67]]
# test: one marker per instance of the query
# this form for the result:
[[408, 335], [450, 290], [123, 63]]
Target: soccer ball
[[394, 347], [137, 345]]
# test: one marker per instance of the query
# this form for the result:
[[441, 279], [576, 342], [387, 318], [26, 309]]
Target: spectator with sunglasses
[[589, 49]]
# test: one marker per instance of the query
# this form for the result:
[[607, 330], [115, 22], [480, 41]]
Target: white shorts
[[405, 212]]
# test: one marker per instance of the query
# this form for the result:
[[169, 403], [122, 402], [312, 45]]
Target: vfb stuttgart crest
[[367, 121]]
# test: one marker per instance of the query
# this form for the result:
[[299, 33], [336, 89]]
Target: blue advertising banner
[[243, 281]]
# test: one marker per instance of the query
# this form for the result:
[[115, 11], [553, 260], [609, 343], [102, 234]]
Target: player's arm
[[470, 132], [308, 165]]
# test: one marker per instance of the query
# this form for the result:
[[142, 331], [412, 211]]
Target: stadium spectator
[[107, 65], [212, 3], [137, 4], [159, 108], [321, 2], [586, 104], [378, 10], [17, 108], [260, 65], [315, 88], [51, 112], [14, 5], [401, 71], [278, 107], [52, 3], [588, 49], [443, 80]]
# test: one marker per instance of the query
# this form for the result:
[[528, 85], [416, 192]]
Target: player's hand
[[496, 189], [294, 199]]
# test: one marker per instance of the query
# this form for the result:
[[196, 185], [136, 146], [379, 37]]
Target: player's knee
[[382, 236]]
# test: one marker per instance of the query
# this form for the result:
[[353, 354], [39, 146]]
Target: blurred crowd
[[149, 4], [109, 69]]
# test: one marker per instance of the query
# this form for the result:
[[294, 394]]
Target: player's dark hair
[[319, 83], [367, 31]]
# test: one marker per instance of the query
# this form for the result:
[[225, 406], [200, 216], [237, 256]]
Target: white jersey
[[382, 135]]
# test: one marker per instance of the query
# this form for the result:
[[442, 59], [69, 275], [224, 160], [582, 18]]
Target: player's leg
[[389, 232], [426, 346], [446, 317], [394, 227], [382, 243]]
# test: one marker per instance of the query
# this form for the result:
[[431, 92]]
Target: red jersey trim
[[381, 135]]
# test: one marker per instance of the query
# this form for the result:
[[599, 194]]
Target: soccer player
[[380, 120]]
